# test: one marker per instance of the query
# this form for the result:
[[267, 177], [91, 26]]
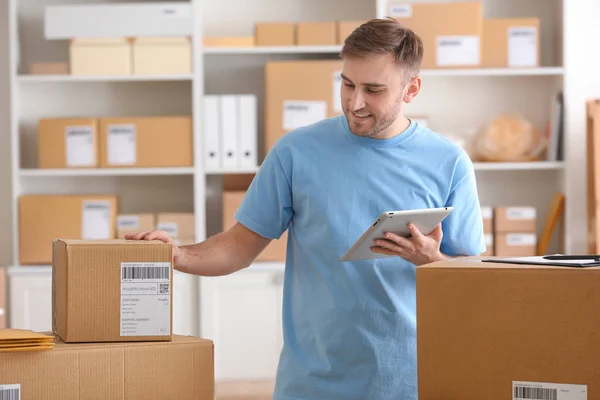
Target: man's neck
[[398, 127]]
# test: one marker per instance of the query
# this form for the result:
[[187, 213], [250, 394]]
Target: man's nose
[[357, 100]]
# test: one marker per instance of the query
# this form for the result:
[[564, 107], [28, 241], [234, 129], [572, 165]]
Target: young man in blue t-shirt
[[350, 327]]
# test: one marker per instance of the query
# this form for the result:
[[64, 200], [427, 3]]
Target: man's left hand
[[418, 249]]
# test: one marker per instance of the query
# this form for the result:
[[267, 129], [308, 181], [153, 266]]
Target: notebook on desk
[[559, 260]]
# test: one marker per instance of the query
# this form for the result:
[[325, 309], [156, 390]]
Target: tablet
[[396, 222]]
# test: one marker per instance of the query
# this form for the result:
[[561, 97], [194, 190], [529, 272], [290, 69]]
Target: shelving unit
[[457, 100]]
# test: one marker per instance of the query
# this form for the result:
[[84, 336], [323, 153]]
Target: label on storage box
[[298, 113], [489, 239], [520, 239], [337, 92], [522, 46], [548, 391], [517, 213], [79, 142], [95, 220], [10, 392], [171, 228], [458, 51], [122, 144], [128, 222], [145, 299], [400, 10]]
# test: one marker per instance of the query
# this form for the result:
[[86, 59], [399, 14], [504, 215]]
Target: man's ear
[[412, 89]]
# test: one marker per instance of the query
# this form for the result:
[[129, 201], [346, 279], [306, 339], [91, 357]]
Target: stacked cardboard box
[[487, 214], [515, 231], [179, 225]]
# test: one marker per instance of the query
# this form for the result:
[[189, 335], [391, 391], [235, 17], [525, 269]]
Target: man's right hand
[[156, 235]]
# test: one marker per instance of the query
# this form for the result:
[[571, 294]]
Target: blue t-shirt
[[350, 327]]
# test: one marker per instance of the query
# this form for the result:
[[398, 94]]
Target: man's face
[[373, 90]]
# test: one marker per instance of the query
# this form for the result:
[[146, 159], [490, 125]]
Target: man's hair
[[386, 36]]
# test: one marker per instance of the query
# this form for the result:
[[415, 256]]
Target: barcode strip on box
[[533, 393], [10, 394], [150, 272]]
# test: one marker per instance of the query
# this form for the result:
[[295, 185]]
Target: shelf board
[[518, 166], [35, 172], [273, 50], [541, 71], [108, 78], [225, 171]]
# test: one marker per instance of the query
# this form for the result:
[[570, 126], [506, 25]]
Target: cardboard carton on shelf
[[68, 143], [322, 33], [275, 33], [162, 56], [100, 57]]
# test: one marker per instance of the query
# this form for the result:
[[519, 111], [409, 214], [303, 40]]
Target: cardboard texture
[[23, 340], [593, 176], [146, 142], [345, 28], [451, 31], [228, 41], [275, 251], [483, 326], [112, 290], [177, 225], [182, 369], [133, 223], [162, 56], [307, 98], [68, 143], [49, 68], [316, 33], [510, 42], [515, 219], [42, 218], [275, 34], [95, 56], [3, 296]]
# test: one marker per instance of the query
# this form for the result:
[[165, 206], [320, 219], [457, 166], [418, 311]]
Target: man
[[349, 327]]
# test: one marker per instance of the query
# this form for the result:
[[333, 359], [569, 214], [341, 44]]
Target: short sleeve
[[463, 228], [267, 206]]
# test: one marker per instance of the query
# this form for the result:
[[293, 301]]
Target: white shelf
[[273, 50], [223, 171], [108, 78], [67, 172], [542, 71], [518, 166]]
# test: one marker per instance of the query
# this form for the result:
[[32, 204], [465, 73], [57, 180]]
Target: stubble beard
[[380, 124]]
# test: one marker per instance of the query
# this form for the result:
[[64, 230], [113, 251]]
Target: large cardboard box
[[499, 328], [275, 251], [182, 369], [298, 93], [510, 42], [68, 143], [162, 56], [275, 34], [42, 218], [146, 142], [3, 295], [112, 290], [451, 31], [133, 223], [322, 33], [176, 224], [98, 56]]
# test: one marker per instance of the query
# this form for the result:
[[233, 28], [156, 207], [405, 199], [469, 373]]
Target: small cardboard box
[[497, 328], [510, 42], [316, 33], [275, 251], [176, 224], [133, 223], [42, 218], [451, 31], [96, 56], [516, 244], [68, 143], [487, 214], [112, 291], [146, 142], [515, 219], [345, 28], [162, 56], [182, 369], [275, 34], [228, 41]]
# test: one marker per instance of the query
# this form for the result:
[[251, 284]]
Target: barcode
[[10, 394], [531, 393], [144, 273]]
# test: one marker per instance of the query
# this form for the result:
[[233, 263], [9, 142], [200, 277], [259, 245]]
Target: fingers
[[150, 235], [416, 234], [393, 247]]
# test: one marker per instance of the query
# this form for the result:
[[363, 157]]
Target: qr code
[[163, 288]]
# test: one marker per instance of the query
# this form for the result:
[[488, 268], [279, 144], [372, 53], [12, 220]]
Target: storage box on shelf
[[515, 231]]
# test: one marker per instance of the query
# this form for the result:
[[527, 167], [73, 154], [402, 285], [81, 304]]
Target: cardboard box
[[489, 244], [593, 175], [311, 96], [100, 56], [451, 31], [345, 28], [515, 219], [3, 296], [275, 34], [42, 218], [162, 56], [49, 68], [487, 214], [515, 244], [228, 41], [275, 251], [484, 327], [176, 224], [146, 142], [112, 290], [510, 42], [182, 369], [316, 33], [133, 223], [68, 143]]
